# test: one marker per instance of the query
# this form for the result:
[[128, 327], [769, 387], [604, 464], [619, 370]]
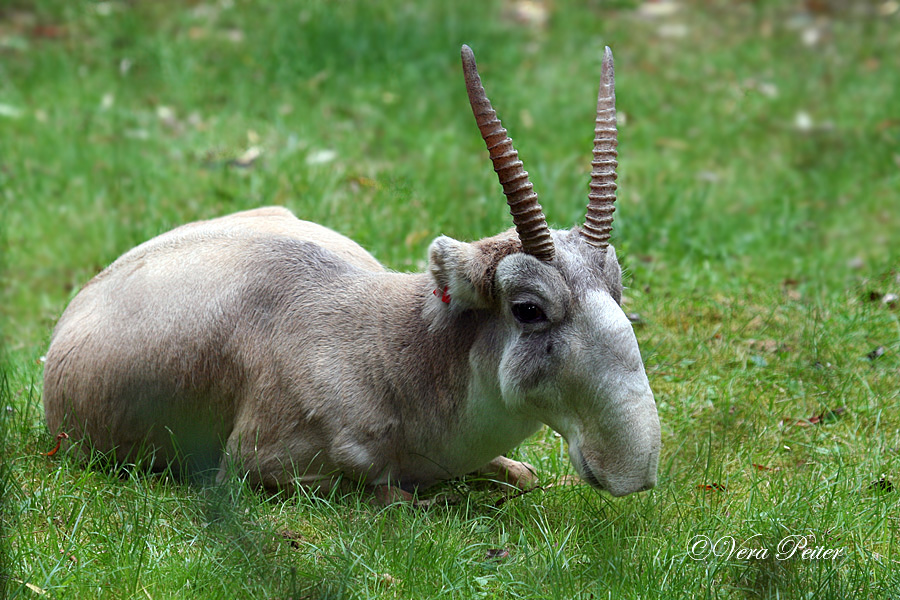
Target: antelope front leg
[[515, 473], [386, 494]]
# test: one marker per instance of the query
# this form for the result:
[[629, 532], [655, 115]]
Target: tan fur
[[277, 220], [212, 335], [291, 348]]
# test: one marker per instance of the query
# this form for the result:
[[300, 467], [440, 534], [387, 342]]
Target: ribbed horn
[[528, 216], [598, 223]]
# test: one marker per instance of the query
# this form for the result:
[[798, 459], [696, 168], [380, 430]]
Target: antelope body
[[278, 347]]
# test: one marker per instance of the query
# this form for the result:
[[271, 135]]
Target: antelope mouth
[[616, 485], [589, 476]]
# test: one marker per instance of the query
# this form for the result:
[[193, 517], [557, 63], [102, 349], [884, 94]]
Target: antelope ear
[[612, 273], [450, 266]]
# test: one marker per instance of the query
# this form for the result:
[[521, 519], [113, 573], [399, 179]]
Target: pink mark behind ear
[[445, 297]]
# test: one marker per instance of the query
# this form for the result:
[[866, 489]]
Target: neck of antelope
[[440, 367]]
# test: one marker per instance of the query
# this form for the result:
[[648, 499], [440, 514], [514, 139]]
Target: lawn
[[757, 219]]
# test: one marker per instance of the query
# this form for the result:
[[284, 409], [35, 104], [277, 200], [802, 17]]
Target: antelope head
[[565, 353]]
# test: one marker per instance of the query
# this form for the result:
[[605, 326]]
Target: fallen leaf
[[292, 536], [249, 157], [366, 182], [197, 33], [235, 36], [653, 10], [387, 578], [888, 8], [62, 435], [107, 101], [673, 31], [766, 88], [794, 422], [882, 485], [166, 115], [320, 157], [792, 294], [770, 346], [104, 9], [710, 487], [531, 13], [48, 32], [811, 36], [875, 353], [829, 416], [497, 554], [32, 587], [195, 120], [765, 468], [802, 121]]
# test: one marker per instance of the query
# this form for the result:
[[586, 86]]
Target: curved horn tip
[[606, 69], [470, 69]]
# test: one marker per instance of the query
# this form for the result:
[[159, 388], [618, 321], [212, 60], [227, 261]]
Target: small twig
[[518, 494]]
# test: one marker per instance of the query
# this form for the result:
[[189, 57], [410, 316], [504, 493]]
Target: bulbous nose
[[619, 484], [620, 465]]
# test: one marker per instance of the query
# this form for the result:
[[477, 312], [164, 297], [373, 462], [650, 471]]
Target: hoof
[[386, 495], [511, 472]]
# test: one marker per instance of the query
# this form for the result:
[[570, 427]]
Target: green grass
[[757, 253]]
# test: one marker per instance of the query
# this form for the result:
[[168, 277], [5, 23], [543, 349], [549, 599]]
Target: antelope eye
[[526, 312]]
